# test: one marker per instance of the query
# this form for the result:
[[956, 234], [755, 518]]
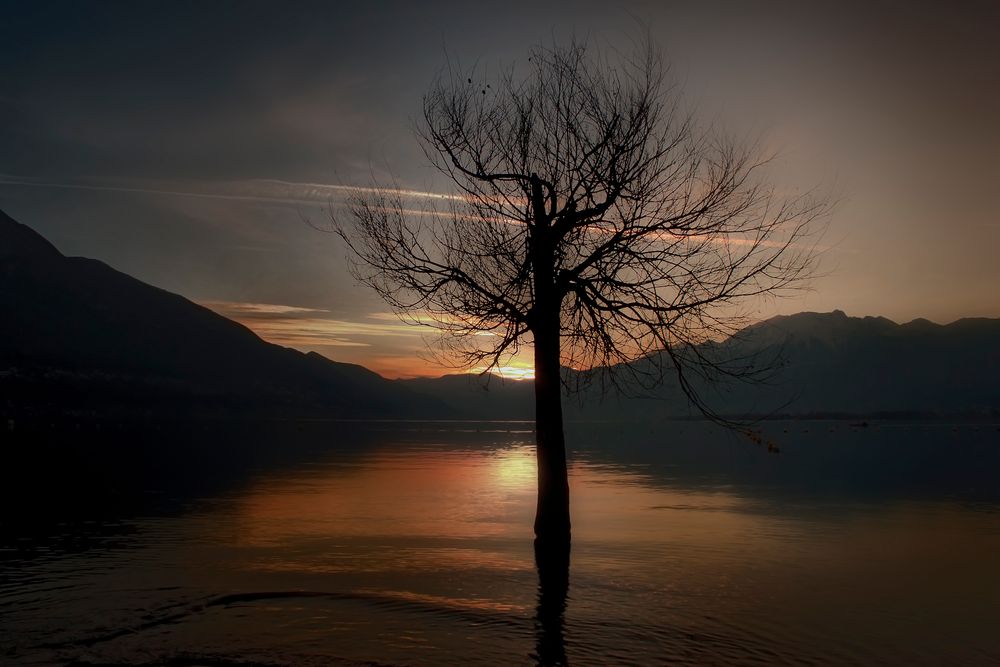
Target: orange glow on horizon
[[381, 342], [510, 372]]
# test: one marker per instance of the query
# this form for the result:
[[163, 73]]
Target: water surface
[[410, 544]]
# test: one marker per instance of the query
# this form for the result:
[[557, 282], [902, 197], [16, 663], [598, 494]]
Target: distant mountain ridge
[[826, 364], [78, 335], [832, 363]]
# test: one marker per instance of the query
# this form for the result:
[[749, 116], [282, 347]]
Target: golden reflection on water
[[474, 495], [454, 511], [430, 510], [444, 602], [446, 494]]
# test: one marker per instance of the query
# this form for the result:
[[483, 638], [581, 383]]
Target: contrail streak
[[313, 191]]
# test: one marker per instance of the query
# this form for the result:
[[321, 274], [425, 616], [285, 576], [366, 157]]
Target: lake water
[[410, 544]]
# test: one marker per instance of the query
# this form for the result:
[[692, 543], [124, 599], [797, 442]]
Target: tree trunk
[[552, 515]]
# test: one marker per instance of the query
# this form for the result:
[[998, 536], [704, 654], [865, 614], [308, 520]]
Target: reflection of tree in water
[[552, 561]]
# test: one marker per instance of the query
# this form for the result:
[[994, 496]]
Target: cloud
[[309, 328], [378, 340], [250, 309]]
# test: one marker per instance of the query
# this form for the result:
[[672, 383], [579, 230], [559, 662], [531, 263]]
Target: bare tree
[[592, 219]]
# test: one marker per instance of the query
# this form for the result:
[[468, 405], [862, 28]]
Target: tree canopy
[[659, 230]]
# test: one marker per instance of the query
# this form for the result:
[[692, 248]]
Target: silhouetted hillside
[[475, 397], [834, 363], [823, 364], [76, 335]]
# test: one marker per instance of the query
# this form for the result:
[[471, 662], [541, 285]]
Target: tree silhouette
[[592, 219]]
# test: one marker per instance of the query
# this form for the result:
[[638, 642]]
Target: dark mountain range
[[821, 364], [76, 335], [832, 363], [478, 397]]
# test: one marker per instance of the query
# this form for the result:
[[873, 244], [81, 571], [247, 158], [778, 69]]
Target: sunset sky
[[191, 144]]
